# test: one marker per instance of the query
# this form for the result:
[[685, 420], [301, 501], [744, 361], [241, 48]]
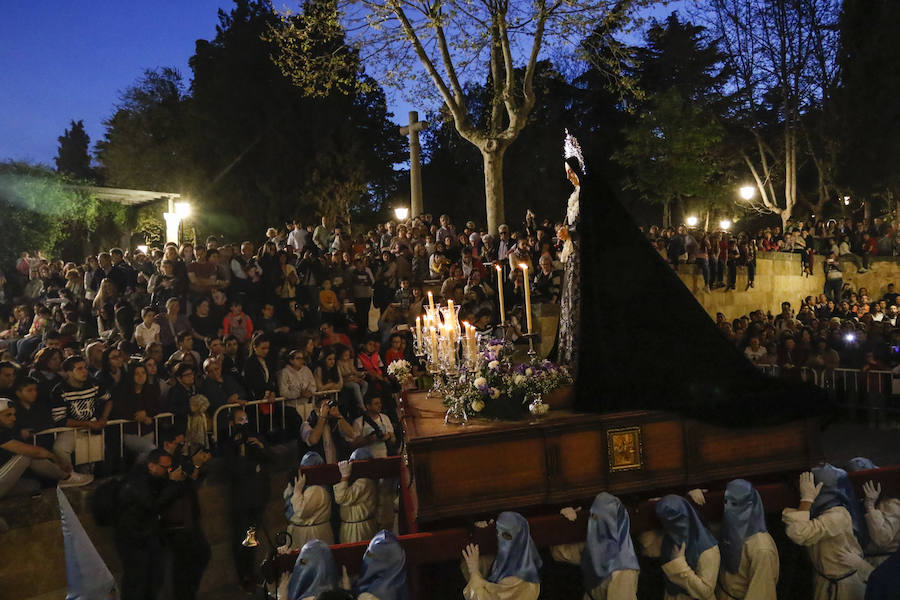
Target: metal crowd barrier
[[120, 423], [806, 373], [254, 403], [854, 389]]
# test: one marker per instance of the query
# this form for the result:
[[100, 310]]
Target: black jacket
[[140, 501], [255, 380]]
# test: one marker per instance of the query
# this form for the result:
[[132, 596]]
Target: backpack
[[105, 502]]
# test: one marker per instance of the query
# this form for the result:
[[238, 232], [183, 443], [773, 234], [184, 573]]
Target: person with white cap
[[16, 457]]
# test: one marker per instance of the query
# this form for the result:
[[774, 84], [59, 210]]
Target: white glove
[[301, 481], [851, 559], [697, 496], [345, 467], [808, 488], [471, 555], [872, 490], [570, 513], [482, 524], [283, 549]]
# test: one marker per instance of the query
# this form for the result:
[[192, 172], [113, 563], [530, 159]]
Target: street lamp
[[401, 213], [747, 192], [725, 224], [183, 209], [846, 200], [692, 221]]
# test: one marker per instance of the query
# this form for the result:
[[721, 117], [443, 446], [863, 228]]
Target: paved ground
[[841, 441]]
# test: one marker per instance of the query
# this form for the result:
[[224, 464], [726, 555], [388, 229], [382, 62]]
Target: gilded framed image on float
[[624, 449]]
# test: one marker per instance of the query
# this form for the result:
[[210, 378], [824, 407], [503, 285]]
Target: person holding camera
[[248, 460], [182, 532], [326, 430], [373, 430]]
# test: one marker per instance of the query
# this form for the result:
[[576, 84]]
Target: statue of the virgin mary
[[568, 233]]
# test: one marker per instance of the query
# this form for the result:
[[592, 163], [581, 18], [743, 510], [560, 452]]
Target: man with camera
[[248, 460], [373, 430], [326, 430], [140, 499], [187, 548]]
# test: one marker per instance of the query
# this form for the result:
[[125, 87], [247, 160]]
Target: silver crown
[[571, 148]]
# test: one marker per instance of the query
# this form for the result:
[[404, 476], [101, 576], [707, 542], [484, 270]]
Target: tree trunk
[[493, 187], [667, 214], [706, 222]]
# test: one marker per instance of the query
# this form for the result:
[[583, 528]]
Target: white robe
[[620, 585], [700, 584], [357, 503], [508, 588], [884, 530], [823, 537], [312, 516], [757, 575]]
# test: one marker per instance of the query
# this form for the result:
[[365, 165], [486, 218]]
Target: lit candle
[[527, 297], [473, 347], [419, 335], [431, 300], [434, 345], [500, 291]]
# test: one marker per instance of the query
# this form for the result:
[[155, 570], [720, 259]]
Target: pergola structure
[[176, 210]]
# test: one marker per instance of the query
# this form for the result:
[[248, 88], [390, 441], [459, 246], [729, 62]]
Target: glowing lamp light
[[692, 221], [172, 223], [846, 200], [747, 192], [183, 209], [850, 338], [725, 224], [402, 213], [143, 248]]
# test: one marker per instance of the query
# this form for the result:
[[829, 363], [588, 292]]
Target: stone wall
[[779, 277]]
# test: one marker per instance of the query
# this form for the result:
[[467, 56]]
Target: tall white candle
[[500, 291], [431, 300], [527, 297]]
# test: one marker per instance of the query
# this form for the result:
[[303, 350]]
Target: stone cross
[[415, 165]]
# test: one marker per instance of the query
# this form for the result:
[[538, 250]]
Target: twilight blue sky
[[64, 60]]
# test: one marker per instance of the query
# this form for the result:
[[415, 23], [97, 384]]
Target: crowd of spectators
[[719, 253], [857, 331], [310, 314]]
